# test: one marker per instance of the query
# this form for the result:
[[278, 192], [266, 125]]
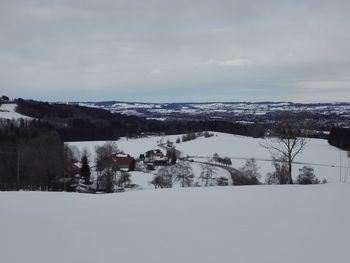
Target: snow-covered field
[[318, 153], [252, 224], [323, 157], [7, 111]]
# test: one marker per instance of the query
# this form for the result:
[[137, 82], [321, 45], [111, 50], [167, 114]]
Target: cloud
[[118, 46], [235, 63], [48, 14], [156, 71], [326, 85], [226, 63]]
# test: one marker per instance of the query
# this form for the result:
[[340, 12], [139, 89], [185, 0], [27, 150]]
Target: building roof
[[123, 159], [72, 167]]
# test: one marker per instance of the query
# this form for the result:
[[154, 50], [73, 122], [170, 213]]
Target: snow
[[223, 224], [142, 180], [318, 153], [8, 111], [323, 157]]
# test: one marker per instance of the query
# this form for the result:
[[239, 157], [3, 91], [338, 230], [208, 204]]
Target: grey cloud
[[126, 47]]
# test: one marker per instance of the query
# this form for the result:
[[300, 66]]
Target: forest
[[340, 137], [78, 123]]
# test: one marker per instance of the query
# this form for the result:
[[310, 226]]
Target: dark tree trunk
[[290, 179]]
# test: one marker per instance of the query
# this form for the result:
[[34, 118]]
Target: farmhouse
[[71, 168], [154, 157], [125, 161]]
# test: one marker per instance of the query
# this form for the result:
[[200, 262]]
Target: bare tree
[[105, 166], [108, 180], [72, 152], [280, 175], [248, 174], [159, 182], [286, 141], [166, 175], [124, 179], [207, 174], [250, 169], [182, 173]]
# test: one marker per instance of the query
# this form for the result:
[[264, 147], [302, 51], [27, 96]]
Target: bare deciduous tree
[[286, 142], [167, 176], [280, 175], [105, 166], [250, 169], [182, 173], [159, 182], [207, 174], [124, 179]]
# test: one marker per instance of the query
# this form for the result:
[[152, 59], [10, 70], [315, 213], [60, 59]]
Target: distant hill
[[111, 119], [81, 123], [324, 115]]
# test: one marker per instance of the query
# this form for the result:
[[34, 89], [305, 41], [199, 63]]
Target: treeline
[[33, 156], [77, 123], [32, 162], [340, 137]]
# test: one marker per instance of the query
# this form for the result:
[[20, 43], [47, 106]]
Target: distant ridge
[[326, 114], [214, 102]]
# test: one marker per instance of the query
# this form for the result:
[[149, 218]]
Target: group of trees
[[34, 157], [307, 176], [248, 174], [281, 173], [108, 172], [181, 172], [106, 167], [208, 175], [340, 137], [193, 135], [221, 160], [32, 163]]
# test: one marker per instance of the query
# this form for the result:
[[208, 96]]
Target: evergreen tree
[[173, 157], [85, 171]]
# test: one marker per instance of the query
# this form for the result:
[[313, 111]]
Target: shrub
[[307, 176], [280, 175]]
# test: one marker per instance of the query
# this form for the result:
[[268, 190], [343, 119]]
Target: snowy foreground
[[221, 224]]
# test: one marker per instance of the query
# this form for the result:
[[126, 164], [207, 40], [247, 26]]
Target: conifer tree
[[85, 170]]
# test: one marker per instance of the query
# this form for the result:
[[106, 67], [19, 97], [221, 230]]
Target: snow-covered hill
[[271, 224], [325, 114], [238, 108], [8, 111]]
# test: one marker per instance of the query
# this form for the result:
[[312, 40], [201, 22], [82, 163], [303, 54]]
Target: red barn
[[124, 161]]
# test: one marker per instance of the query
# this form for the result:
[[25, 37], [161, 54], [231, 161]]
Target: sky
[[175, 51]]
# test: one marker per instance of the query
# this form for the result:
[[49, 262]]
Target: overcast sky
[[168, 51]]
